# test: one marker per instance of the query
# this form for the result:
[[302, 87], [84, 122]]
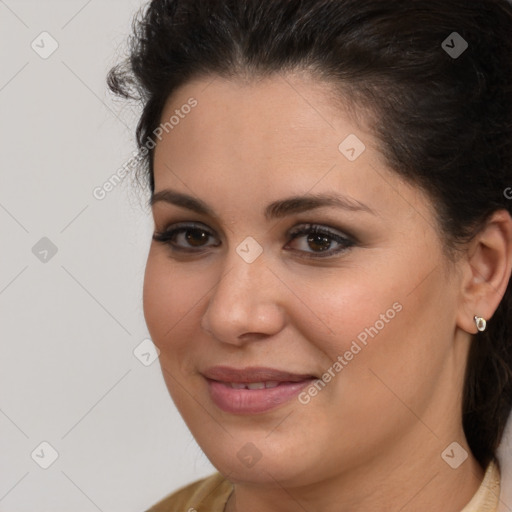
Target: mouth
[[253, 390], [253, 385]]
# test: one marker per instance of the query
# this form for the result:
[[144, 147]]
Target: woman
[[329, 278]]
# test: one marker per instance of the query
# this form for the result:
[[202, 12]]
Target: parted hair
[[443, 119]]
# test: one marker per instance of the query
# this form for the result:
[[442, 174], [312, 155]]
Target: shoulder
[[206, 495]]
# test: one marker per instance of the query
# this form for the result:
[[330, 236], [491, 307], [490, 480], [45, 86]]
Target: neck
[[412, 478]]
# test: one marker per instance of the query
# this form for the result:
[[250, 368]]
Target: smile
[[252, 390]]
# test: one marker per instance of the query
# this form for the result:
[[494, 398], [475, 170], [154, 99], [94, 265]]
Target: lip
[[253, 374], [252, 401]]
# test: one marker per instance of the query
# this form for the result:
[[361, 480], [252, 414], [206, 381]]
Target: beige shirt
[[211, 494], [487, 497]]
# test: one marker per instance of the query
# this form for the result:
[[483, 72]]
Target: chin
[[261, 462]]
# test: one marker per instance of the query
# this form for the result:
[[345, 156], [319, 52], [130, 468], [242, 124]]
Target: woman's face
[[355, 323]]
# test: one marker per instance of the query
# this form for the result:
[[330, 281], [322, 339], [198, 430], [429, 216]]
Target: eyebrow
[[274, 210]]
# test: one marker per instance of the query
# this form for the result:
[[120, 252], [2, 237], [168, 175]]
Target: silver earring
[[480, 322]]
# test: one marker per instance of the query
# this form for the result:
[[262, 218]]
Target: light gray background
[[69, 326]]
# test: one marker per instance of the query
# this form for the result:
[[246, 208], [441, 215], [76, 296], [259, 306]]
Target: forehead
[[276, 115], [266, 139]]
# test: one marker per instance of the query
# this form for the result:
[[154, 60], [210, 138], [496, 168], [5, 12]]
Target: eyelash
[[167, 237]]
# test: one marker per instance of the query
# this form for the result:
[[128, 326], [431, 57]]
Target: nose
[[246, 304]]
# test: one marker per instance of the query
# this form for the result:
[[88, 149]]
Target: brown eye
[[311, 241], [317, 241], [196, 237], [185, 237]]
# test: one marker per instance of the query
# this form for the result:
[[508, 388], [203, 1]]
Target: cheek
[[168, 302], [382, 326], [168, 297], [343, 306], [157, 299]]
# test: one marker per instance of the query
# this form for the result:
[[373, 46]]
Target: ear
[[487, 266]]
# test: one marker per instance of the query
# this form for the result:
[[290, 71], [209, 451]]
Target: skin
[[372, 439]]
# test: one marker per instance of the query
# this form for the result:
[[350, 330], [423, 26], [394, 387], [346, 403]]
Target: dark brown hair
[[444, 120]]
